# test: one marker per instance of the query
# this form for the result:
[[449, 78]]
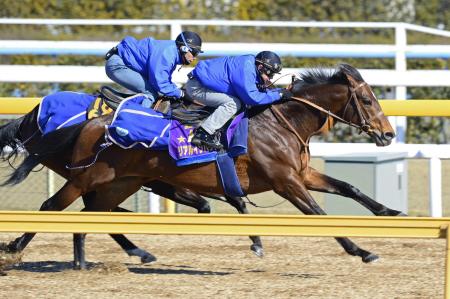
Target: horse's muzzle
[[382, 138]]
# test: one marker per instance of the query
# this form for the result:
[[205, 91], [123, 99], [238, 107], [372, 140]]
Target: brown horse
[[24, 132], [278, 156]]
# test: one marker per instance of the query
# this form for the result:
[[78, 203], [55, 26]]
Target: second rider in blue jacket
[[225, 82]]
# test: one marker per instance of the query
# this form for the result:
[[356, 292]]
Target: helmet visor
[[195, 51], [270, 71]]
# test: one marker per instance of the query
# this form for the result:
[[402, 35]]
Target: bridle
[[364, 126]]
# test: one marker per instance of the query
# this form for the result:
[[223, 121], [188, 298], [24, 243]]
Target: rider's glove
[[286, 94]]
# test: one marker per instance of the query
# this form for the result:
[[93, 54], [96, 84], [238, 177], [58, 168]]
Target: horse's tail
[[50, 144], [9, 138]]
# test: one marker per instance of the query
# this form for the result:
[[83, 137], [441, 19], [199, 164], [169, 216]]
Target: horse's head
[[363, 109]]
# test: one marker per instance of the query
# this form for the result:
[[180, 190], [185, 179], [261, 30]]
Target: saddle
[[107, 101], [112, 97], [186, 110]]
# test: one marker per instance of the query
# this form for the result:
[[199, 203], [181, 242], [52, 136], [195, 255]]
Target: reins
[[288, 124], [364, 126]]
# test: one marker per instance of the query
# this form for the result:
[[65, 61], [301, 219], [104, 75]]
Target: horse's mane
[[316, 76]]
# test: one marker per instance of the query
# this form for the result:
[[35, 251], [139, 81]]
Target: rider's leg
[[117, 71], [226, 107]]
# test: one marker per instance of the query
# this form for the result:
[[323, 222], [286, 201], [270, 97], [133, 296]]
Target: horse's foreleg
[[79, 261], [292, 188], [320, 182], [239, 205], [58, 202]]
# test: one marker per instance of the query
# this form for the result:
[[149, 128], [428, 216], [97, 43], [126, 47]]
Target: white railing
[[400, 47], [37, 47], [96, 74]]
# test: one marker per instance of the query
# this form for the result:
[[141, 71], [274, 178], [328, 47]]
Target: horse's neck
[[306, 120]]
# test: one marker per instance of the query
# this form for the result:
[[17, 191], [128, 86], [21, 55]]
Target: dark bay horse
[[24, 132], [277, 159]]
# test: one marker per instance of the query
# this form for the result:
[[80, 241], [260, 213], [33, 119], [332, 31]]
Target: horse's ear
[[296, 86], [351, 80]]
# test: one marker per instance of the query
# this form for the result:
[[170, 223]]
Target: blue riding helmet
[[189, 41], [271, 63]]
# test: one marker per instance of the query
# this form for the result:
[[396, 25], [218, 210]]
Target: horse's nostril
[[388, 135]]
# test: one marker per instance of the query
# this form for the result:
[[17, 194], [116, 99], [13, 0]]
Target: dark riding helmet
[[188, 41], [270, 61]]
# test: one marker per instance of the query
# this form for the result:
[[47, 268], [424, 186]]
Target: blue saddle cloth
[[134, 126], [63, 109], [184, 153]]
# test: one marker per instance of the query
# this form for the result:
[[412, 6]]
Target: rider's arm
[[245, 86], [160, 74]]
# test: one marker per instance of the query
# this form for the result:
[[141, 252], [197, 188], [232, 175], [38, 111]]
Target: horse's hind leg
[[320, 182], [181, 196], [129, 247], [195, 200], [291, 188], [189, 198], [239, 205], [107, 198]]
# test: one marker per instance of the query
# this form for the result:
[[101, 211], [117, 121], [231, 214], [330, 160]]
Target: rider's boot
[[203, 138]]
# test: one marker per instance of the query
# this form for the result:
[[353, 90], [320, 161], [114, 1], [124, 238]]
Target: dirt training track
[[224, 267]]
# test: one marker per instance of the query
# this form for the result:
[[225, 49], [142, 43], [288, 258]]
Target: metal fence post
[[435, 179], [175, 29], [50, 183], [169, 206], [400, 66], [153, 203], [447, 265]]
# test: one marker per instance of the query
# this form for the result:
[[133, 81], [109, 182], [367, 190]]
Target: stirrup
[[203, 139]]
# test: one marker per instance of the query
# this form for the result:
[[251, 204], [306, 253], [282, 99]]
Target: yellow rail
[[193, 224], [416, 107], [265, 225], [17, 105], [423, 107]]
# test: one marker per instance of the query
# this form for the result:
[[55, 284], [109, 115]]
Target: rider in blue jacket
[[146, 65], [226, 82]]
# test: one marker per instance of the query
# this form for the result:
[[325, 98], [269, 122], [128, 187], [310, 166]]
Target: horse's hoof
[[10, 247], [148, 258], [3, 246], [257, 250], [370, 258], [145, 256]]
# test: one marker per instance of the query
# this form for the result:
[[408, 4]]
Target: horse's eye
[[366, 100]]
